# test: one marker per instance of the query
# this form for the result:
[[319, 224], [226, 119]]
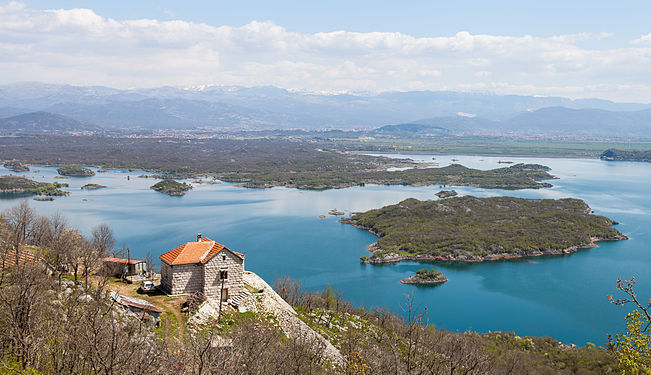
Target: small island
[[17, 184], [92, 187], [446, 193], [75, 171], [426, 276], [16, 166], [44, 199], [171, 187], [470, 229]]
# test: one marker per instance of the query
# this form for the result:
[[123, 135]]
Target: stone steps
[[235, 301]]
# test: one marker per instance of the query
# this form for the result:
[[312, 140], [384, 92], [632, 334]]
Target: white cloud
[[429, 73], [81, 47], [644, 39]]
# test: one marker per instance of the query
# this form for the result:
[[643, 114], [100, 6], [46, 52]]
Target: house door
[[225, 294]]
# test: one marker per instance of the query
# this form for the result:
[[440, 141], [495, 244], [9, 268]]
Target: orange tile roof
[[120, 260], [195, 252]]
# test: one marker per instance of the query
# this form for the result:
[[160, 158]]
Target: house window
[[223, 257], [223, 275]]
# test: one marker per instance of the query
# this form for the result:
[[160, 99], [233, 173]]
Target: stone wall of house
[[166, 277], [224, 261], [186, 278]]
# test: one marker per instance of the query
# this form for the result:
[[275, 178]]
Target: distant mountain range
[[545, 121], [275, 108]]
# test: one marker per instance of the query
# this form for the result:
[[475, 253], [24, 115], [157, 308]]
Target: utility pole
[[221, 295]]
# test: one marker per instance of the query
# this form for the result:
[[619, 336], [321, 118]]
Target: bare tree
[[59, 223], [149, 264], [20, 220], [91, 258], [413, 332], [65, 251], [103, 239], [41, 231], [289, 289], [74, 250]]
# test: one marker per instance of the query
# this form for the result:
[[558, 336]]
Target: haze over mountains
[[87, 108]]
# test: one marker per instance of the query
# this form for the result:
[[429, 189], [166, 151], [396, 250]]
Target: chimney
[[199, 237]]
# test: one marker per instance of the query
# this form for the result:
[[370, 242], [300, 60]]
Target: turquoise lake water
[[560, 296]]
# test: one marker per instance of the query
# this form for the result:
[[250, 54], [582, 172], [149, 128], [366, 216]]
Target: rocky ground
[[266, 301]]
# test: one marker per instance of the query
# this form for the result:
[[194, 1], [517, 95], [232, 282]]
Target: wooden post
[[221, 295]]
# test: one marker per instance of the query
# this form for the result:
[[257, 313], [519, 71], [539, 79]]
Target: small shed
[[119, 267], [143, 309]]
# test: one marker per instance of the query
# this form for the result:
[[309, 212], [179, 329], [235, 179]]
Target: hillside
[[470, 229], [44, 122]]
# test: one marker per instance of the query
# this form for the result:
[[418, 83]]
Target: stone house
[[203, 266]]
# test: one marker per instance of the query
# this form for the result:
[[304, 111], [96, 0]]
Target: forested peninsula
[[470, 229], [17, 184], [622, 155]]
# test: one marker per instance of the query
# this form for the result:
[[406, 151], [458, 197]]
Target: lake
[[279, 230]]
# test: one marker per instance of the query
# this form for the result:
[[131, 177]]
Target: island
[[92, 187], [16, 166], [470, 229], [171, 187], [446, 193], [518, 176], [75, 171], [17, 184], [621, 155], [426, 276], [44, 199]]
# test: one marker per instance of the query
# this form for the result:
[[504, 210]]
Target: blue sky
[[575, 49], [628, 19]]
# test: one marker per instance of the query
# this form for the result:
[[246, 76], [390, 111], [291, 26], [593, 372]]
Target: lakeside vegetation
[[16, 166], [18, 184], [75, 171], [261, 162], [171, 187], [473, 229]]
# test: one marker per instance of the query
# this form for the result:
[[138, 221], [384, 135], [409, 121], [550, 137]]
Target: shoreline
[[393, 258], [473, 154]]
